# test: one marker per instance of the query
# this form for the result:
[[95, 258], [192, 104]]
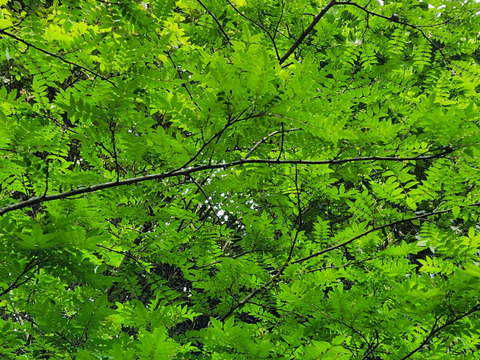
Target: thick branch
[[306, 32], [190, 170]]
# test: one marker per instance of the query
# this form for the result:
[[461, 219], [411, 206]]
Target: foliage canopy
[[239, 179]]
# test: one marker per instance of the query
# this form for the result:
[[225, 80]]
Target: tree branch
[[376, 228], [245, 300], [179, 73], [185, 171], [216, 20], [17, 282], [435, 330], [279, 19], [258, 143], [393, 20], [57, 56], [337, 267], [272, 38], [207, 200], [307, 31]]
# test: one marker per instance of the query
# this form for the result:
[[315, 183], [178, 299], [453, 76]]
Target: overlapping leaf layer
[[244, 179]]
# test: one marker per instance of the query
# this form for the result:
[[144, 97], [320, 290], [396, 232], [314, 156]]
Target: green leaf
[[185, 180], [472, 269], [455, 211]]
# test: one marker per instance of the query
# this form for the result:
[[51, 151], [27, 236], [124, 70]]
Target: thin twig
[[120, 252], [235, 257], [393, 20], [111, 155], [281, 144], [300, 223], [274, 277], [181, 77], [112, 125], [279, 19], [57, 56], [376, 228], [216, 20], [207, 200], [258, 143], [17, 282], [435, 330], [46, 178], [339, 266], [258, 25]]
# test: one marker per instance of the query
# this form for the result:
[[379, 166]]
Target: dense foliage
[[239, 179]]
